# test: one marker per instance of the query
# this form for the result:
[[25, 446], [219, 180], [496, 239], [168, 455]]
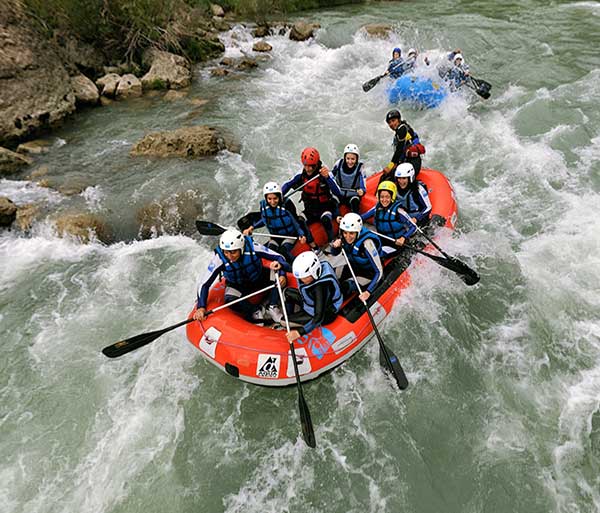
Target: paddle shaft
[[305, 420], [391, 363]]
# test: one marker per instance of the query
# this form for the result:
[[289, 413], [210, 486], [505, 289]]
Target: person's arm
[[408, 229], [322, 297], [333, 186], [425, 204], [268, 254], [368, 214], [292, 183], [215, 266], [373, 254]]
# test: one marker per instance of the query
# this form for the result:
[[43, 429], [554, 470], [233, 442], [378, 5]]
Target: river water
[[503, 411]]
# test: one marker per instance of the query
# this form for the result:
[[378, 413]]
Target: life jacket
[[247, 269], [327, 276], [347, 180], [389, 221], [277, 219], [316, 193], [356, 251], [410, 199], [396, 67], [407, 140]]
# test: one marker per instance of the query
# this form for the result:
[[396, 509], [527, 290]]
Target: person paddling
[[395, 67], [412, 195], [318, 195], [238, 258], [410, 63], [279, 221], [318, 298], [362, 248], [407, 146], [348, 174], [459, 73], [389, 219]]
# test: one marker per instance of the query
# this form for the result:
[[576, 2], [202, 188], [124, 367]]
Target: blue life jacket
[[278, 220], [347, 180], [410, 200], [356, 252], [396, 67], [247, 269], [389, 221], [327, 275]]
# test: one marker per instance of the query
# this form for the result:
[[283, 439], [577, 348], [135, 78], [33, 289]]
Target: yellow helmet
[[388, 186]]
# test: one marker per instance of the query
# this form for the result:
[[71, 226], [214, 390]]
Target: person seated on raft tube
[[388, 220], [348, 174], [238, 257], [396, 64], [279, 221], [412, 195], [407, 146], [458, 74], [319, 295], [411, 60], [318, 196], [362, 248]]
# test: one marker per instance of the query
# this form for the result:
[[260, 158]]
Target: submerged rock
[[83, 226], [190, 142], [11, 161], [26, 215], [171, 216], [378, 30], [262, 46], [34, 147], [8, 211]]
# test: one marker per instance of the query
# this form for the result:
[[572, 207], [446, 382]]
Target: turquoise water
[[503, 409]]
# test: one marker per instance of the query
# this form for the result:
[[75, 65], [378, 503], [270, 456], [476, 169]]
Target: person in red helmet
[[318, 195]]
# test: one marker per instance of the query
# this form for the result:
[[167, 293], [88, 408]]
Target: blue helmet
[[396, 50]]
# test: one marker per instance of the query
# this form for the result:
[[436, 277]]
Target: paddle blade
[[208, 228], [389, 361], [482, 88], [370, 84], [308, 432], [468, 275], [131, 344], [248, 220]]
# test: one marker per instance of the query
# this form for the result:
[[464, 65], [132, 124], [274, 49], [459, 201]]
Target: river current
[[503, 410]]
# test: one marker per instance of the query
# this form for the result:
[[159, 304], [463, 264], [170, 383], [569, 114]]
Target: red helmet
[[310, 157]]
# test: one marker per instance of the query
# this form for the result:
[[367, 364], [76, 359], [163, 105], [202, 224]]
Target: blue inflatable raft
[[423, 92]]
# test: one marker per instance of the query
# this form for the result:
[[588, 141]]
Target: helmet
[[271, 188], [456, 57], [231, 239], [405, 170], [396, 50], [306, 264], [386, 185], [351, 222], [392, 114], [310, 157], [411, 51], [352, 148]]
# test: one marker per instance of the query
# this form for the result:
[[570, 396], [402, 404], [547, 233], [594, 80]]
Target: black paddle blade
[[307, 428], [370, 84], [131, 344], [389, 361], [248, 220], [468, 275], [208, 228], [482, 88]]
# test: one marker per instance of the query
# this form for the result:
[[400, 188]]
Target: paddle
[[210, 228], [307, 428], [370, 84], [130, 344], [387, 359], [252, 217], [468, 275], [481, 87], [444, 262]]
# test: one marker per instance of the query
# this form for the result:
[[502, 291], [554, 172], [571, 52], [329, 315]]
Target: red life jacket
[[316, 191]]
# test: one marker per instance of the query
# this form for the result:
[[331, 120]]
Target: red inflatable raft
[[262, 356]]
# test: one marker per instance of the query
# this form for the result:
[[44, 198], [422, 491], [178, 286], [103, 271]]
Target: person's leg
[[354, 204]]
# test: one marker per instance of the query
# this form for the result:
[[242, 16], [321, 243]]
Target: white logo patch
[[268, 365]]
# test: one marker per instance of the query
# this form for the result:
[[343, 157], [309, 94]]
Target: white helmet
[[351, 222], [405, 170], [271, 188], [352, 148], [456, 57], [411, 51], [306, 264], [231, 239]]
